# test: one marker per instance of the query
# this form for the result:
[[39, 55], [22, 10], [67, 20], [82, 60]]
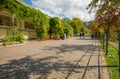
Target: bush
[[19, 38], [7, 39], [16, 36]]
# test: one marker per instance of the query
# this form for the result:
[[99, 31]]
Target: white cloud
[[66, 8]]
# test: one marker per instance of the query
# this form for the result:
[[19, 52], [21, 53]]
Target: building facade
[[8, 21]]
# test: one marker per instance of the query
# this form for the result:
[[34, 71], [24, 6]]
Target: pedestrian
[[80, 35], [83, 34], [64, 37], [92, 36]]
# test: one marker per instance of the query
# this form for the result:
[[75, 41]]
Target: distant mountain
[[67, 19], [86, 23]]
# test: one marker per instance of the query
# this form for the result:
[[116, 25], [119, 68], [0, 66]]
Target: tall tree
[[56, 27], [54, 23], [108, 13], [77, 25]]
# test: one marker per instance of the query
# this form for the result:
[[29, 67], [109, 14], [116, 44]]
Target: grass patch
[[112, 59]]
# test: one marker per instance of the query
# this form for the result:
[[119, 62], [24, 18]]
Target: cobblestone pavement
[[73, 58]]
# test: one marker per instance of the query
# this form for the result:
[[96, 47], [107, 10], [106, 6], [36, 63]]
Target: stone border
[[9, 44]]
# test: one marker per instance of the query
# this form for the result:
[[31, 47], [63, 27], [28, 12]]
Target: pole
[[103, 42], [119, 49], [107, 40]]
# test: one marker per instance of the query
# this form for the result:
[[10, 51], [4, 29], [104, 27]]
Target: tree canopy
[[58, 27], [77, 25], [44, 25], [107, 15]]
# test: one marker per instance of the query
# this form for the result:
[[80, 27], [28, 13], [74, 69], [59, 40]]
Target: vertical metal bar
[[103, 42], [119, 49], [107, 40]]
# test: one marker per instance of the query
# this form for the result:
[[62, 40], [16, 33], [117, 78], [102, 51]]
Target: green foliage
[[41, 32], [113, 37], [59, 27], [57, 31], [68, 30], [7, 39], [54, 21], [44, 26], [63, 25], [107, 14], [40, 21], [77, 25], [55, 28], [114, 73], [9, 4], [16, 36], [112, 59]]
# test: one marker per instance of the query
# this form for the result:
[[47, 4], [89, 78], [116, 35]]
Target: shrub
[[16, 36], [7, 39]]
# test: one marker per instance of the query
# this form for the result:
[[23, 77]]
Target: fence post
[[107, 40], [119, 49], [103, 42]]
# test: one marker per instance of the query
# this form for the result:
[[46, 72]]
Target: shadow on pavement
[[24, 67], [70, 48]]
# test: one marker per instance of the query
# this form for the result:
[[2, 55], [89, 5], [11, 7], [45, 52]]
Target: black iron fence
[[107, 44]]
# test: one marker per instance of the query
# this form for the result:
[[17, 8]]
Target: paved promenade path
[[73, 58]]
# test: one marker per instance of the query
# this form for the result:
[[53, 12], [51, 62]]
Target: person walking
[[80, 35], [92, 36]]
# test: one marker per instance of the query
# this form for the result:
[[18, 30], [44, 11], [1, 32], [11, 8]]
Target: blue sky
[[27, 2], [63, 8]]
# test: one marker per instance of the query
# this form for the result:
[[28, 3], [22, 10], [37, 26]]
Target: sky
[[63, 8]]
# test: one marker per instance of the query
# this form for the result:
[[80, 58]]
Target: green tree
[[68, 30], [77, 25], [93, 26], [54, 24], [108, 13], [63, 24]]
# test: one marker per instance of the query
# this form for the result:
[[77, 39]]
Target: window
[[4, 20], [28, 25]]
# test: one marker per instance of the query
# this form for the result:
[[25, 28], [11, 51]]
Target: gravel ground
[[73, 58]]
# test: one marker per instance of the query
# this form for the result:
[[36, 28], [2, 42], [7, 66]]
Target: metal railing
[[106, 44]]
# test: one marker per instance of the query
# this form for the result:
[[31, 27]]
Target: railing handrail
[[113, 47]]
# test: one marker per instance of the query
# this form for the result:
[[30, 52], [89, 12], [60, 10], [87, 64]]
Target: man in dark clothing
[[92, 36], [80, 35]]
